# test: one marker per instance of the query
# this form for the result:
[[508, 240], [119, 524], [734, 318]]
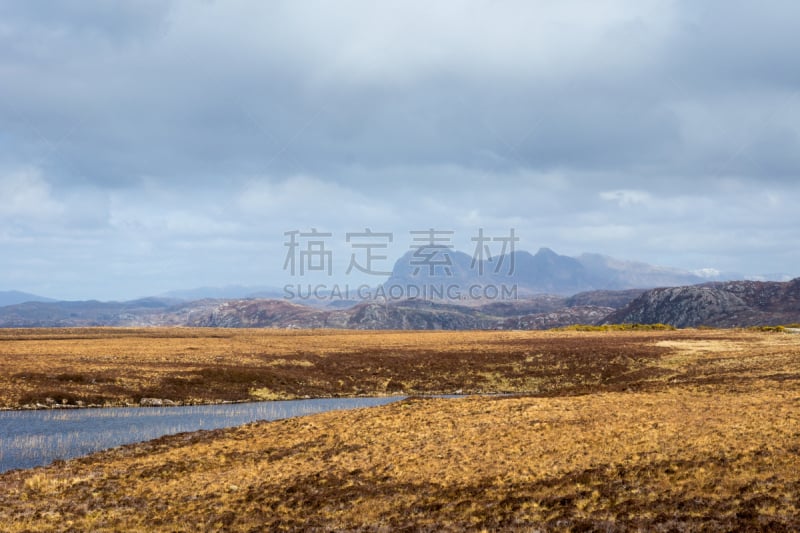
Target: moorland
[[603, 430]]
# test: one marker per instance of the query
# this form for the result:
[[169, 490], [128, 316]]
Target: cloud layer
[[163, 145]]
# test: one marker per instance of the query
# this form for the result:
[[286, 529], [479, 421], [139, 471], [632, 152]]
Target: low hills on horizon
[[715, 304], [552, 290]]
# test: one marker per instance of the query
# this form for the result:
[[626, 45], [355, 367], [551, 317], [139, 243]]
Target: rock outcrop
[[725, 304]]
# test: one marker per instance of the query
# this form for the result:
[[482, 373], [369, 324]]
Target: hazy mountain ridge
[[553, 290], [228, 292], [18, 297], [719, 304], [537, 312], [545, 272], [143, 312]]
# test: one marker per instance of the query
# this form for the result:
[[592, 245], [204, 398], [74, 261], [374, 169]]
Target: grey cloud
[[199, 104], [621, 127], [72, 23]]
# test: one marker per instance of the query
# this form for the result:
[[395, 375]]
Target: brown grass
[[120, 366], [669, 431]]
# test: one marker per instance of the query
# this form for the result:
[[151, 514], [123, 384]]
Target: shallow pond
[[35, 438]]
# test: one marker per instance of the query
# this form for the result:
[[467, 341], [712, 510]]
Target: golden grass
[[109, 366], [676, 458], [687, 430], [116, 365]]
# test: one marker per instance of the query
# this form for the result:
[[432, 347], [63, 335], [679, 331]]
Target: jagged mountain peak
[[545, 272]]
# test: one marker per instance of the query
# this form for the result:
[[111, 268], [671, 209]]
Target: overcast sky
[[156, 145]]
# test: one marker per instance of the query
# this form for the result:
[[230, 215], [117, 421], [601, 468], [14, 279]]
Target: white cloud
[[159, 213], [24, 193], [165, 223], [627, 197], [709, 273]]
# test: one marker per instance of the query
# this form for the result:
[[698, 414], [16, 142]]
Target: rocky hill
[[419, 314], [566, 316], [401, 314], [266, 314], [613, 299], [721, 304]]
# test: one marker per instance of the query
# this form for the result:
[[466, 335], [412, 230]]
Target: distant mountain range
[[721, 304], [143, 312], [228, 292], [545, 272], [551, 290], [536, 312], [17, 297]]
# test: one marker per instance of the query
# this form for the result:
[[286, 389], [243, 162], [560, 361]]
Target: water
[[36, 438]]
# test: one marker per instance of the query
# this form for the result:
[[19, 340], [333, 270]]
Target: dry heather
[[667, 431], [119, 366]]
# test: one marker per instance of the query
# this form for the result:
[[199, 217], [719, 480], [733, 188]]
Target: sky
[[158, 145]]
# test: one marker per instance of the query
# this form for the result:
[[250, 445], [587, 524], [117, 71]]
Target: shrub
[[618, 327], [774, 329]]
